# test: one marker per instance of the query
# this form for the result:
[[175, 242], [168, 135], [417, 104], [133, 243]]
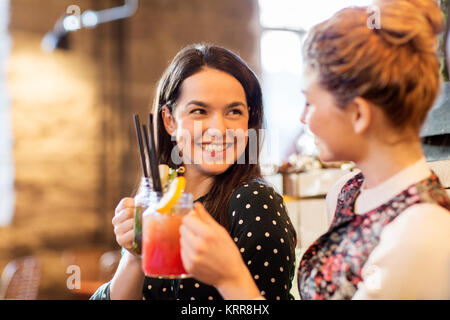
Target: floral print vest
[[331, 267]]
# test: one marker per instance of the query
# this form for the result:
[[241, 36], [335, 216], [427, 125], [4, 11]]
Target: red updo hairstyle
[[394, 67]]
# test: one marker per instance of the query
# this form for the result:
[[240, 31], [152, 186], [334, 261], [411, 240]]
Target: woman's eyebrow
[[198, 103], [235, 104], [205, 105]]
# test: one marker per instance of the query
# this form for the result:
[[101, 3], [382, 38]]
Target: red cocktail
[[161, 240]]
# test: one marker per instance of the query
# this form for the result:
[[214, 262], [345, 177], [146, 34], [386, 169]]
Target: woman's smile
[[216, 150]]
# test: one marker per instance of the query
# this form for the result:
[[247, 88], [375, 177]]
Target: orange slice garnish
[[173, 194]]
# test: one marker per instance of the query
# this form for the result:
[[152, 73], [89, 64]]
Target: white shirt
[[412, 259]]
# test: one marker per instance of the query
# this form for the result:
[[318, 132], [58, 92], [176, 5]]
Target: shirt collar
[[372, 198]]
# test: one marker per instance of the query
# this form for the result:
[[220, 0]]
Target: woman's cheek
[[184, 141], [314, 123]]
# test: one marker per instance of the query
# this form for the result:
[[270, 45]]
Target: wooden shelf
[[295, 198]]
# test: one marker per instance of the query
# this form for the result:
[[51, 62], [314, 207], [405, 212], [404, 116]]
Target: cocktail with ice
[[164, 211], [161, 235]]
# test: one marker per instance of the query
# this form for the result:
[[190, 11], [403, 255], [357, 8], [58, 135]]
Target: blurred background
[[72, 75]]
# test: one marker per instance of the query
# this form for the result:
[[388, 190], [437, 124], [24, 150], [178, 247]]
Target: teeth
[[213, 147]]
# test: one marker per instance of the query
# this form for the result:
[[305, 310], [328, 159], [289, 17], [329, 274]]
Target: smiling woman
[[218, 78], [207, 101]]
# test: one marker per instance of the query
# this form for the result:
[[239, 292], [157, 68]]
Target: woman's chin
[[213, 169], [326, 156], [212, 163]]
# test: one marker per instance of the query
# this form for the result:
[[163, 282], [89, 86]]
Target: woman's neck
[[197, 183], [383, 162]]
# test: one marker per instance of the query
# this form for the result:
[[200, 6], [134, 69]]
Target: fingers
[[124, 210], [124, 227], [192, 249], [123, 222], [203, 214], [187, 254], [121, 216], [124, 203], [196, 225], [188, 238], [126, 240]]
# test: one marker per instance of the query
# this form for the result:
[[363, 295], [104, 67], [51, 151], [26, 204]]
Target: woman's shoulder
[[255, 197], [256, 190], [258, 216], [256, 184], [420, 223], [265, 236]]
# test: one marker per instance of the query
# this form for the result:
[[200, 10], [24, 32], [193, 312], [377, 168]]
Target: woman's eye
[[235, 111], [198, 111]]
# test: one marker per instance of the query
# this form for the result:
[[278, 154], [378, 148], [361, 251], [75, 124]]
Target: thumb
[[203, 214]]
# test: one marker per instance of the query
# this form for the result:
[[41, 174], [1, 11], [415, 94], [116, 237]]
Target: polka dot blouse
[[263, 232]]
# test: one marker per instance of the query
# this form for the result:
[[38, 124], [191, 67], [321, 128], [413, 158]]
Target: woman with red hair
[[368, 91]]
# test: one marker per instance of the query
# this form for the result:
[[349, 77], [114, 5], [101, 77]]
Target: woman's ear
[[361, 116], [168, 120]]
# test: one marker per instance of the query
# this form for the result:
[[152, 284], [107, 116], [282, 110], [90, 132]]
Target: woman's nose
[[304, 116], [217, 125]]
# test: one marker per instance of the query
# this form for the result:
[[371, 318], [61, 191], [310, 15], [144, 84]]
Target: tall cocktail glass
[[161, 257]]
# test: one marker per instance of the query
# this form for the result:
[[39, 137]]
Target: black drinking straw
[[150, 146], [153, 149], [137, 124]]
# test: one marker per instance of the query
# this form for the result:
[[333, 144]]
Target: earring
[[181, 170]]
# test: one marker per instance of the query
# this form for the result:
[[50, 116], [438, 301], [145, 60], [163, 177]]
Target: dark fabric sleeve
[[102, 292], [263, 232], [154, 289]]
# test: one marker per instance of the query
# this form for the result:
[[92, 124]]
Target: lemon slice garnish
[[171, 197]]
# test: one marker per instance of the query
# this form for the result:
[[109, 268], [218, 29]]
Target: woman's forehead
[[209, 77], [310, 79], [211, 85]]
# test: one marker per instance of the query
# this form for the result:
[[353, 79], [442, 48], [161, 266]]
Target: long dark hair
[[186, 63]]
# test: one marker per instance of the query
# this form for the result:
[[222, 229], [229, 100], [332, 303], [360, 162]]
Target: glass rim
[[160, 193], [185, 199]]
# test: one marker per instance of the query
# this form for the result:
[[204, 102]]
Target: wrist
[[131, 257], [239, 287], [129, 278]]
